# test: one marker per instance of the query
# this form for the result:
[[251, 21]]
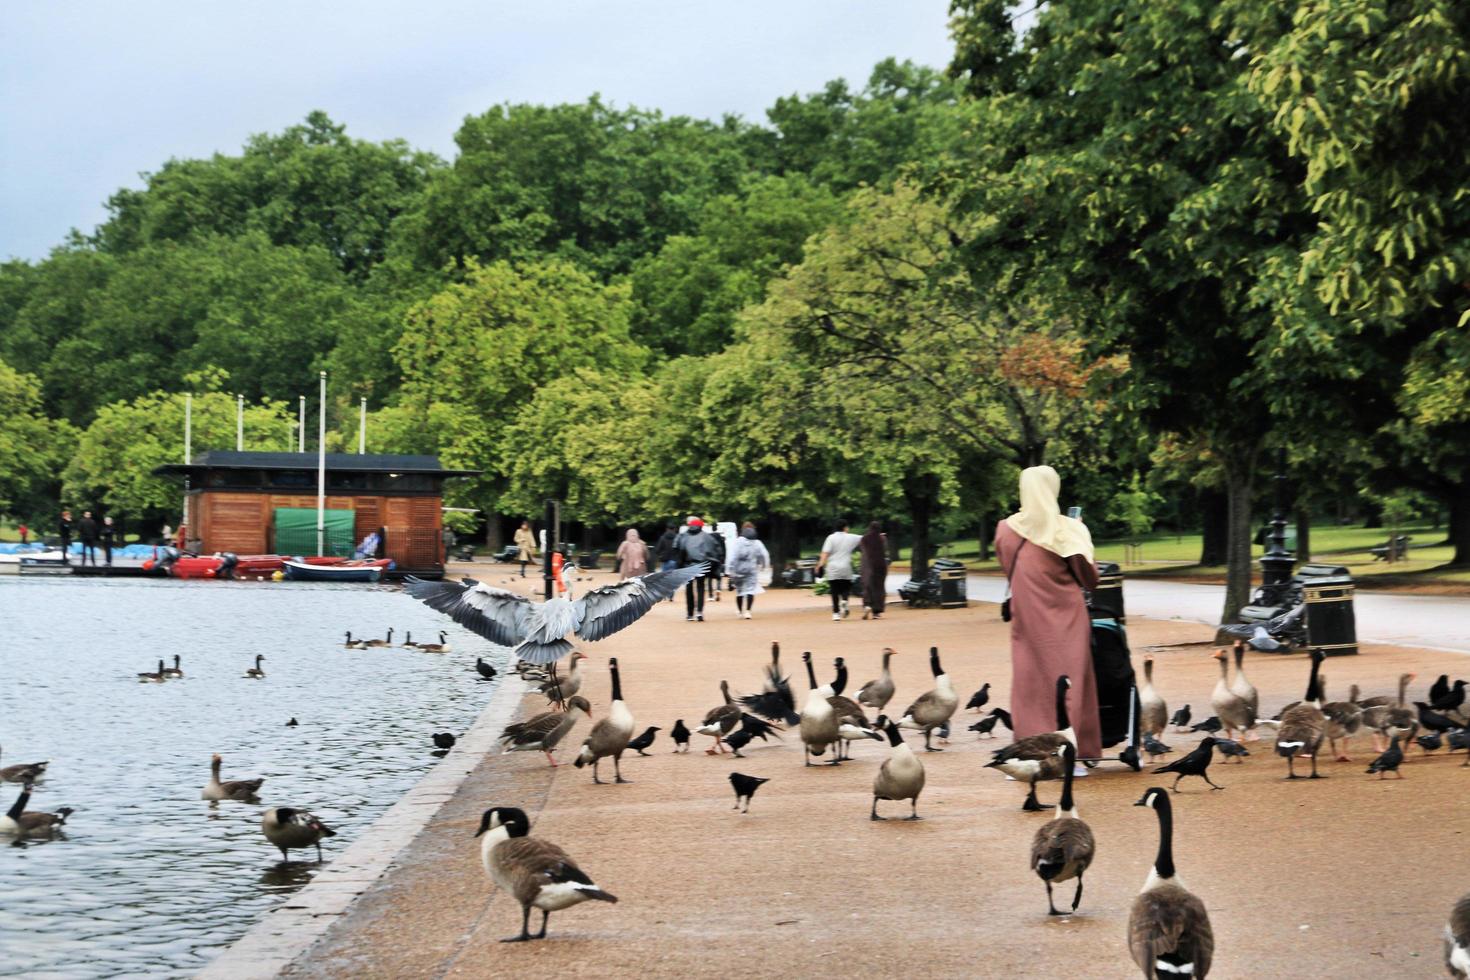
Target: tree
[[33, 449]]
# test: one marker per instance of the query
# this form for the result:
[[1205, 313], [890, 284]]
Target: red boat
[[246, 565], [200, 566]]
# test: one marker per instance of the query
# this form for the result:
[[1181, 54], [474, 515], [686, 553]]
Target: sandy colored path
[[1347, 876]]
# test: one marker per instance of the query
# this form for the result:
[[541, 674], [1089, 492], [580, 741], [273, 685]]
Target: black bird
[[1180, 721], [1389, 761], [680, 734], [745, 786], [292, 723], [645, 740], [1432, 742], [486, 671], [979, 699], [1210, 724], [738, 740], [984, 725], [1459, 739], [444, 740], [1197, 763], [1433, 720], [1154, 747], [1450, 700], [1439, 688], [1229, 747], [1004, 716], [775, 702], [756, 728]]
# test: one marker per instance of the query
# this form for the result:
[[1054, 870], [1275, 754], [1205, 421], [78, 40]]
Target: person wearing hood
[[632, 555], [1047, 558], [748, 558], [694, 546], [874, 549]]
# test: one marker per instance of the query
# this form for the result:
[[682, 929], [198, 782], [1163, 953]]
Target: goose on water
[[256, 672], [153, 676], [239, 790], [351, 644], [20, 823], [28, 772], [290, 828], [175, 670], [377, 644], [441, 647]]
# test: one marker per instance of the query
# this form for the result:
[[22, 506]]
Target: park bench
[[1394, 549], [509, 553]]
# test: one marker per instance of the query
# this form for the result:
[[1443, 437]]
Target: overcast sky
[[92, 93]]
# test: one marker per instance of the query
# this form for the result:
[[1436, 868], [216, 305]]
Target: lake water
[[151, 879]]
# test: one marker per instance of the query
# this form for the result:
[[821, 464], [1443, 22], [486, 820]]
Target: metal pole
[[548, 542], [321, 469], [188, 454], [301, 427], [239, 423], [362, 429]]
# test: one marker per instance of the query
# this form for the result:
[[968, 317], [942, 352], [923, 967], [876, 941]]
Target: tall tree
[[33, 448]]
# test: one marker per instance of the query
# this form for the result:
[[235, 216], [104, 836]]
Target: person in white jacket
[[745, 563]]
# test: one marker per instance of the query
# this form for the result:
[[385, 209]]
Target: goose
[[539, 630], [408, 643], [775, 702], [818, 719], [545, 731], [934, 707], [901, 776], [1387, 719], [1302, 728], [721, 720], [1235, 712], [28, 772], [175, 670], [1344, 718], [534, 872], [1243, 687], [610, 736], [153, 677], [486, 671], [1457, 940], [1036, 757], [351, 644], [256, 673], [1063, 846], [876, 694], [378, 644], [21, 823], [441, 647], [852, 721], [979, 699], [239, 790], [288, 827], [1169, 934], [1153, 713], [558, 689], [1386, 700]]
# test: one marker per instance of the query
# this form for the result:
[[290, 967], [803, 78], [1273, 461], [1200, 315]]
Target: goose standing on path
[[1063, 846], [1244, 689], [720, 721], [545, 731], [378, 644], [1344, 718], [818, 720], [27, 772], [901, 777], [239, 790], [1303, 727], [441, 647], [255, 673], [1457, 940], [534, 872], [934, 707], [351, 644], [611, 735], [1233, 710], [775, 702], [289, 828], [1038, 757], [1153, 712], [1383, 716], [20, 823], [152, 677], [175, 670], [876, 694], [1169, 934], [852, 721]]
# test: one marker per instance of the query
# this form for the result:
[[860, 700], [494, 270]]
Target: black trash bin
[[949, 575], [1107, 598], [800, 574], [1332, 626]]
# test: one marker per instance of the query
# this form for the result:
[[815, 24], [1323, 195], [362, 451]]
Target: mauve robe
[[1051, 635]]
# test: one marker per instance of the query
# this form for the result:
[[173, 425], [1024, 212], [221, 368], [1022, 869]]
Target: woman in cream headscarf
[[1048, 559]]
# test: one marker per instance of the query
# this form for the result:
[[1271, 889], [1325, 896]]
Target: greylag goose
[[239, 790], [545, 731], [876, 694]]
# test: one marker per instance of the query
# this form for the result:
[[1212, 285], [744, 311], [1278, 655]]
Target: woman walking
[[632, 555], [748, 559], [1047, 559], [526, 541], [874, 548], [836, 560]]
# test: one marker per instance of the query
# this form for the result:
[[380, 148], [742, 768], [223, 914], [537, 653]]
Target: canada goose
[[852, 721], [287, 827], [29, 772], [256, 673], [818, 720], [558, 689], [153, 677], [1344, 718], [775, 702], [539, 630], [610, 736], [1063, 846], [645, 740], [441, 647], [1389, 761], [1169, 932], [745, 787], [487, 672], [979, 699], [351, 644], [1243, 687], [175, 670], [534, 872], [1037, 757], [1234, 711], [1302, 728], [1457, 940], [545, 731], [1152, 711], [680, 735], [877, 694], [721, 720], [934, 707], [1394, 717], [21, 823], [377, 644], [901, 777], [408, 643], [239, 790]]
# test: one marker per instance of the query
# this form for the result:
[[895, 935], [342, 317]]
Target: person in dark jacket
[[108, 535], [63, 527], [665, 550], [717, 563], [694, 546], [87, 531]]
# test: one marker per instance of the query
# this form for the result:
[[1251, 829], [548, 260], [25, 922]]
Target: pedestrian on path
[[836, 560], [665, 551], [874, 545], [25, 533], [87, 531], [1047, 559], [108, 535], [632, 555], [747, 560], [526, 542], [694, 546], [63, 527], [717, 563]]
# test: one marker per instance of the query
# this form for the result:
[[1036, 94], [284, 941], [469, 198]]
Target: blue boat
[[300, 571]]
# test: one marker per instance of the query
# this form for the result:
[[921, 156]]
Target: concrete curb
[[291, 928]]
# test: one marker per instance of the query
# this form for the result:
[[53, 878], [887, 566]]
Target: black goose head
[[887, 726], [811, 674], [512, 818]]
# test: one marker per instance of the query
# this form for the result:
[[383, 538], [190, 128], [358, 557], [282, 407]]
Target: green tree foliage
[[33, 448]]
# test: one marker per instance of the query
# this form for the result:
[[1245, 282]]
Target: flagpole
[[321, 468]]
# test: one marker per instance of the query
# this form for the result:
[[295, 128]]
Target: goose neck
[[1164, 860]]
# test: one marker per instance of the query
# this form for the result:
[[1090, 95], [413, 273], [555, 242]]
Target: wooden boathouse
[[253, 503]]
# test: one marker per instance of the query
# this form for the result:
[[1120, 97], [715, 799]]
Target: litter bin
[[950, 577], [1107, 598], [800, 573], [1332, 627]]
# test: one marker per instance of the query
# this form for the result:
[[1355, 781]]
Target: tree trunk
[[494, 532], [1460, 524], [919, 493], [1215, 515], [1238, 543], [984, 538], [784, 545], [1303, 535]]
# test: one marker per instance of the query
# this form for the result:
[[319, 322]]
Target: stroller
[[1117, 687]]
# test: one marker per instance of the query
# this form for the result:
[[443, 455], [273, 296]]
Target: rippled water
[[150, 878]]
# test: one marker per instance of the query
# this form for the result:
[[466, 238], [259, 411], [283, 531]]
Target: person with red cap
[[695, 545]]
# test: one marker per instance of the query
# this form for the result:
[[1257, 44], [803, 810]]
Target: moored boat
[[300, 570]]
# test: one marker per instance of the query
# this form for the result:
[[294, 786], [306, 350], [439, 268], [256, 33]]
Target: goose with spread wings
[[538, 630]]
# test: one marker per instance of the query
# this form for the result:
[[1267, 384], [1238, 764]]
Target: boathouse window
[[292, 478]]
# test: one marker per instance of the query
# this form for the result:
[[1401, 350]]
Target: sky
[[94, 93]]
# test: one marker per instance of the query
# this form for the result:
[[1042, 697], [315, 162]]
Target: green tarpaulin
[[296, 531]]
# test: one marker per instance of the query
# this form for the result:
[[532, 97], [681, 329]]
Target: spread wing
[[547, 627], [602, 612], [499, 616]]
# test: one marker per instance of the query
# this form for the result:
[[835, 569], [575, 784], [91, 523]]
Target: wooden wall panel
[[234, 522]]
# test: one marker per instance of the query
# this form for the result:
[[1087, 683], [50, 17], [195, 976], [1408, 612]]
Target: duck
[[934, 707], [775, 702], [378, 644], [544, 732], [819, 727], [1243, 687], [27, 772], [239, 790], [876, 694], [291, 828], [558, 689], [1063, 847], [1153, 712], [610, 736], [351, 644], [1393, 717], [1169, 933], [901, 776], [153, 677], [256, 672], [486, 671], [175, 670], [1457, 940], [979, 699], [1344, 718], [720, 721], [534, 872], [1233, 710], [1302, 728], [441, 647], [852, 721], [1035, 758], [20, 823]]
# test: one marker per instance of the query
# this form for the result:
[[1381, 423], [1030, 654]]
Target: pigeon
[[1230, 747], [745, 786], [645, 740], [1459, 739], [1180, 721], [292, 723], [680, 734], [979, 699], [984, 725], [1154, 747], [1197, 763], [1432, 742], [1389, 761], [486, 671], [444, 740], [1210, 724], [1433, 720]]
